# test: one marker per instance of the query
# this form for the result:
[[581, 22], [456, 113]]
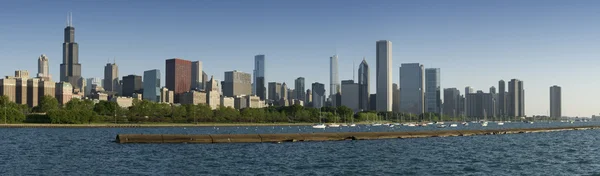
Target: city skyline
[[535, 69]]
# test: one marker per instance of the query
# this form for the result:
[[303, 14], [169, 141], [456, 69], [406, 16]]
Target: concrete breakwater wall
[[294, 137]]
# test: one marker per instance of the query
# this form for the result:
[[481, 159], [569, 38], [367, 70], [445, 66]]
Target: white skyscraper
[[334, 77], [43, 70], [384, 76]]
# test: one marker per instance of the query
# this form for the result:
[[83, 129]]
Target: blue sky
[[475, 43]]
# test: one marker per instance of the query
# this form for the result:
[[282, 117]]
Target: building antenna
[[71, 19], [68, 19]]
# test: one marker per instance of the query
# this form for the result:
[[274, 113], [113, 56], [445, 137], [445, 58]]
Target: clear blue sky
[[475, 43]]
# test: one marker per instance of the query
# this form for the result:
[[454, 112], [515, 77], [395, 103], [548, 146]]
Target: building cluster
[[418, 90]]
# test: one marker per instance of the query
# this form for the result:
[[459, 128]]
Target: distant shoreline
[[133, 125]]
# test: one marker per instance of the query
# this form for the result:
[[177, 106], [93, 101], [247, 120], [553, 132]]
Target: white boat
[[352, 125], [423, 125], [465, 124], [391, 126], [441, 126], [411, 125], [376, 124], [319, 126], [386, 124], [397, 124], [500, 123], [430, 123], [439, 123], [484, 124], [333, 125], [453, 125], [344, 125]]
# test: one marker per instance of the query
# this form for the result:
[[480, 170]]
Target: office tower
[[412, 84], [213, 94], [433, 99], [334, 77], [452, 102], [363, 83], [258, 87], [204, 80], [516, 99], [299, 87], [131, 84], [274, 91], [384, 76], [237, 83], [555, 102], [43, 69], [502, 99], [46, 87], [64, 92], [395, 98], [468, 90], [152, 85], [480, 105], [33, 92], [373, 102], [291, 95], [70, 69], [21, 77], [350, 95], [90, 82], [178, 77], [111, 77], [308, 96], [197, 81], [166, 95], [318, 95], [284, 92]]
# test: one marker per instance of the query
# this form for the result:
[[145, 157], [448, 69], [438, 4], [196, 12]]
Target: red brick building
[[178, 76]]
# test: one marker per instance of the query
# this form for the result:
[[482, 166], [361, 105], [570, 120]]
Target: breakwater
[[296, 137]]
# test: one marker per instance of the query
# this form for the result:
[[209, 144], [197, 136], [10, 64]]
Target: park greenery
[[86, 111]]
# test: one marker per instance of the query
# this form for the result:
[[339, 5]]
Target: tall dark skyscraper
[[70, 69], [502, 112], [178, 76], [363, 86], [299, 87]]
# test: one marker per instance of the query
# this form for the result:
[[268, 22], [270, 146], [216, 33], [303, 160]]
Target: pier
[[297, 137]]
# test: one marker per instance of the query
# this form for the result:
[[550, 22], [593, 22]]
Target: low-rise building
[[227, 102], [123, 102], [192, 97]]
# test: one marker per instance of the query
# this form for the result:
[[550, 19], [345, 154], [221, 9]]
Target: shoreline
[[142, 125]]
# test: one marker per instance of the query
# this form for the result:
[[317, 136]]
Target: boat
[[500, 123], [333, 125], [386, 124], [484, 124], [439, 123], [423, 125], [430, 123], [344, 125], [453, 125], [376, 124], [319, 126], [441, 126], [352, 125], [411, 125], [391, 126], [465, 124]]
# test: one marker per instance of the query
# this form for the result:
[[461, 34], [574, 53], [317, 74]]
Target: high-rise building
[[178, 76], [502, 99], [151, 85], [318, 95], [46, 87], [480, 105], [363, 85], [21, 77], [258, 86], [516, 99], [131, 84], [90, 82], [308, 96], [412, 84], [237, 83], [334, 77], [197, 77], [33, 92], [452, 102], [70, 69], [213, 93], [284, 92], [111, 77], [274, 91], [468, 90], [433, 99], [384, 75], [555, 102], [395, 98], [8, 88], [64, 92], [166, 95], [299, 87], [350, 95], [43, 69]]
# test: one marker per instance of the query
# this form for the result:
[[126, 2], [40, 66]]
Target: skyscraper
[[90, 82], [131, 84], [237, 83], [111, 77], [452, 102], [350, 96], [258, 80], [363, 85], [412, 84], [384, 75], [299, 87], [70, 69], [318, 95], [334, 77], [468, 90], [197, 76], [395, 98], [501, 98], [178, 76], [433, 101], [480, 105], [43, 69], [284, 92], [555, 102], [152, 85], [516, 99]]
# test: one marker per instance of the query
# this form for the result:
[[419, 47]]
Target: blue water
[[91, 151]]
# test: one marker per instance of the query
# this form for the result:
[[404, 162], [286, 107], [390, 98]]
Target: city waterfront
[[92, 151]]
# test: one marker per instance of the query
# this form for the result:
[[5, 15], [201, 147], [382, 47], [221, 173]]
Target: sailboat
[[484, 122], [320, 125], [334, 125]]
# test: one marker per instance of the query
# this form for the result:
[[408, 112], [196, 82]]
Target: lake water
[[92, 151]]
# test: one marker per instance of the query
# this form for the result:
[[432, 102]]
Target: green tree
[[47, 103]]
